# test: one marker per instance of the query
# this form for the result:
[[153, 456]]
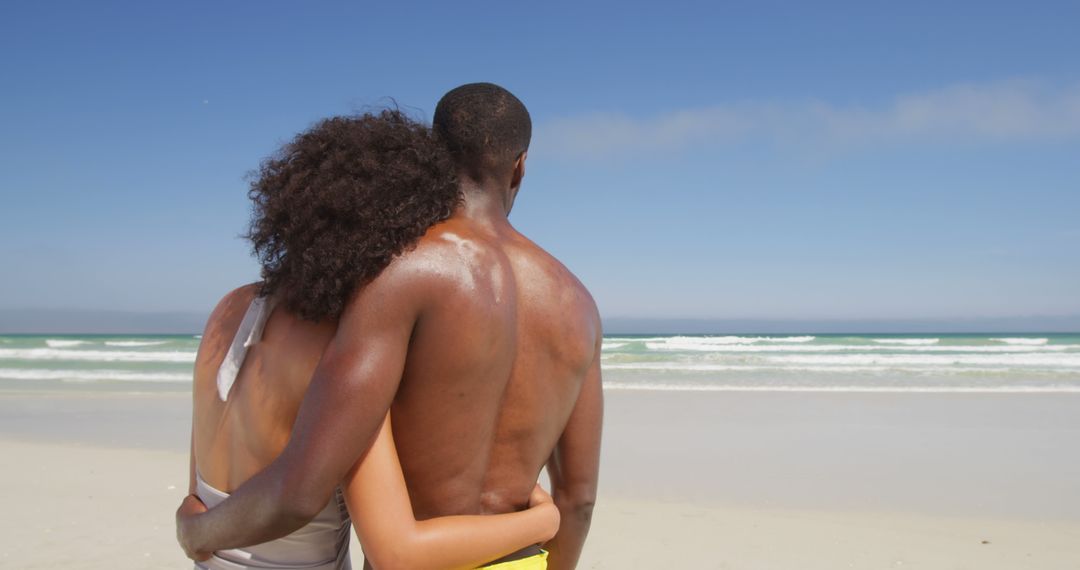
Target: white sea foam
[[725, 343], [135, 342], [670, 387], [93, 375], [635, 339], [55, 343], [921, 370], [691, 344], [612, 345], [1023, 341], [785, 339], [907, 341], [716, 340], [94, 355], [1008, 360], [725, 340], [701, 367]]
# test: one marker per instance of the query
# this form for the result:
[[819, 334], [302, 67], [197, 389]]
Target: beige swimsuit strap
[[249, 333]]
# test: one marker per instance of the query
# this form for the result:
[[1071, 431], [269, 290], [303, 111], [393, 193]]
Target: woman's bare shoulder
[[221, 327]]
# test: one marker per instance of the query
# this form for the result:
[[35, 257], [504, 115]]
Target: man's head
[[487, 130]]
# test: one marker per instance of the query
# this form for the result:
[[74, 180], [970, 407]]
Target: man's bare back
[[493, 373]]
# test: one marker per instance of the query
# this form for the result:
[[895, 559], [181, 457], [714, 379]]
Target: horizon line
[[746, 333], [117, 322]]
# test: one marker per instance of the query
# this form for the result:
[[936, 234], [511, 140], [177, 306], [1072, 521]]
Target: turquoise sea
[[998, 362]]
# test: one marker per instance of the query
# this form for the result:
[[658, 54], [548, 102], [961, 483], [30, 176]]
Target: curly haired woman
[[332, 209]]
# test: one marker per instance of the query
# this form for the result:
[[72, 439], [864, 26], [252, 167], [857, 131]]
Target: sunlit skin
[[234, 439], [487, 351]]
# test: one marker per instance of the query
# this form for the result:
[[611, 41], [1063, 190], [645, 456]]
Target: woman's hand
[[541, 500], [190, 507], [539, 496]]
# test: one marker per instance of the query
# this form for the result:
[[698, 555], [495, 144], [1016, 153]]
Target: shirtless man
[[485, 349]]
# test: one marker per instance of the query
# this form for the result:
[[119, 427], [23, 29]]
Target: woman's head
[[333, 207]]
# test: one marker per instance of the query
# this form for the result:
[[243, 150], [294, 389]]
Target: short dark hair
[[485, 127], [338, 203]]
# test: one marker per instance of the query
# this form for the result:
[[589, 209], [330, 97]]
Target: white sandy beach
[[714, 480]]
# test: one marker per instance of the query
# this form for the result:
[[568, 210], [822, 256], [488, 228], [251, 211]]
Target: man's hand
[[189, 508]]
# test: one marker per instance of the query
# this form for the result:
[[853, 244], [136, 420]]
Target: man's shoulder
[[453, 257], [460, 237], [557, 275], [448, 249], [444, 260]]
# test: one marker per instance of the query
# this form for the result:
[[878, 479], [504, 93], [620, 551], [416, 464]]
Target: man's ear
[[519, 170]]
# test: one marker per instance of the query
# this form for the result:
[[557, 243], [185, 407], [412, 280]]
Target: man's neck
[[486, 203]]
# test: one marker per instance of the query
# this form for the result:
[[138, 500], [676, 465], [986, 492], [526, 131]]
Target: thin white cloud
[[1012, 111]]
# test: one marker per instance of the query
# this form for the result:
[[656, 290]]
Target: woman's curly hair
[[334, 207]]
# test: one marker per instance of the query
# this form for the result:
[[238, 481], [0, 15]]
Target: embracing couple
[[409, 363]]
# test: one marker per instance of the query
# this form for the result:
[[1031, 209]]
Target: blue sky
[[706, 160]]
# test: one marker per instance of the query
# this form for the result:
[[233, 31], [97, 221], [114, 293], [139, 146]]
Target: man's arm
[[574, 471], [349, 395]]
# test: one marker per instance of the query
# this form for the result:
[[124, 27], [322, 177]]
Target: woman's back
[[253, 368], [235, 438]]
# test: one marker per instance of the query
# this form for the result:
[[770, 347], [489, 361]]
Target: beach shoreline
[[715, 480], [115, 511]]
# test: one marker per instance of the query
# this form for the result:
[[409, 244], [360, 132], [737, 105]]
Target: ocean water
[[94, 362], [846, 363], [890, 363]]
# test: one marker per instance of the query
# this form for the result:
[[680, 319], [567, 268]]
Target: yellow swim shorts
[[534, 562]]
